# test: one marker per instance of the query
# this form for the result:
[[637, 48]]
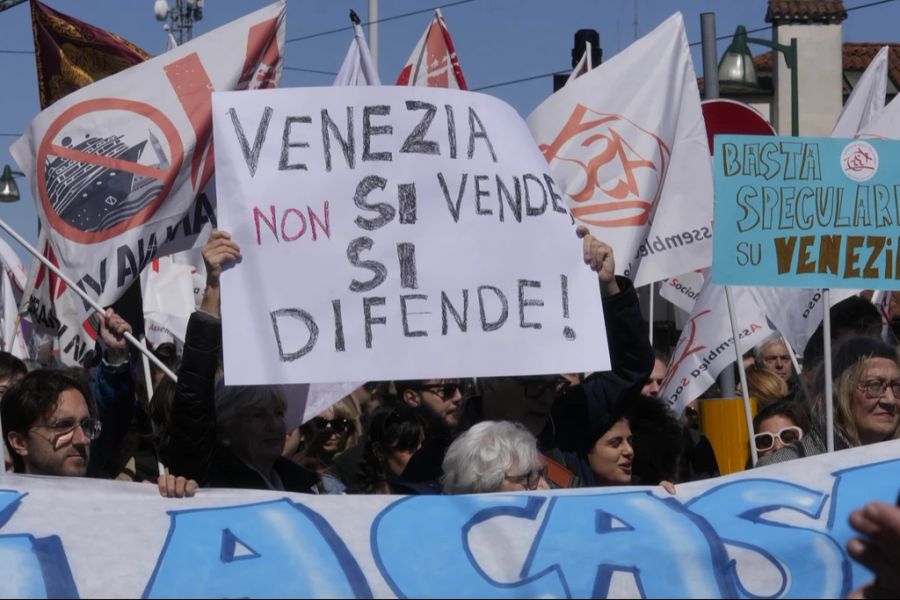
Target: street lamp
[[737, 66], [182, 15], [9, 191]]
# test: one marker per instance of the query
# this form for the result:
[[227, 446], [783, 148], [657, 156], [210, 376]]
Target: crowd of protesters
[[450, 436]]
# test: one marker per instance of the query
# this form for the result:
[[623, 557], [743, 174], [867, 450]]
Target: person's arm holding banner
[[114, 391], [191, 440], [631, 355]]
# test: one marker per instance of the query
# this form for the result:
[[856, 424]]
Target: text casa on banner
[[807, 212], [631, 156], [117, 167], [395, 233], [774, 532]]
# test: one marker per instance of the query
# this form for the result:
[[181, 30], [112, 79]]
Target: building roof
[[857, 56], [806, 11]]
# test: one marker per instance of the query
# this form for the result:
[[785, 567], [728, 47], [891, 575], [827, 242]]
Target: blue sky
[[497, 41]]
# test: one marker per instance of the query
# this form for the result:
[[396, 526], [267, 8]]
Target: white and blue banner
[[775, 532], [807, 212]]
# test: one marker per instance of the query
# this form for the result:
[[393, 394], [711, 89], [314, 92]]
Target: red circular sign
[[92, 158], [730, 116]]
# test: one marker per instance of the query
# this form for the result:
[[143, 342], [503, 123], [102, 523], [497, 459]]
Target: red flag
[[434, 59]]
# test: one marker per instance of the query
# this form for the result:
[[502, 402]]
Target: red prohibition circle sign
[[47, 148]]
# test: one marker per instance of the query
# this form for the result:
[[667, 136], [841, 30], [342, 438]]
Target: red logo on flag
[[94, 184], [610, 166]]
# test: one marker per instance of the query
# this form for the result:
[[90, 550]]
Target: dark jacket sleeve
[[586, 413], [190, 443], [630, 353], [113, 388]]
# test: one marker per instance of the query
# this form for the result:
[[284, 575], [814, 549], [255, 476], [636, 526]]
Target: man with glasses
[[49, 424]]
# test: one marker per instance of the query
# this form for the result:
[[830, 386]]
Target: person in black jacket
[[565, 417], [225, 436]]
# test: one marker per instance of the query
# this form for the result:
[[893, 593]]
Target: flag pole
[[148, 385], [792, 354], [2, 453], [96, 305], [652, 289], [18, 324], [754, 455], [829, 401]]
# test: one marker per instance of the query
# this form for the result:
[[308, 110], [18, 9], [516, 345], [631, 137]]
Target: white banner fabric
[[395, 233], [117, 168], [777, 531]]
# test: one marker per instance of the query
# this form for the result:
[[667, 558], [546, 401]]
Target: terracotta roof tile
[[806, 11], [857, 56]]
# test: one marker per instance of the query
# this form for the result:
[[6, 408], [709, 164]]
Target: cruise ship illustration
[[94, 198]]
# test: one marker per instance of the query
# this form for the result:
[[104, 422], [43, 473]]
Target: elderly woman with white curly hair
[[494, 456]]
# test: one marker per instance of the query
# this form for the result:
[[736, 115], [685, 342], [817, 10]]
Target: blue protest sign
[[807, 212]]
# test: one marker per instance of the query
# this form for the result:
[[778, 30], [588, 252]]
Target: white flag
[[796, 312], [682, 291], [886, 124], [706, 345], [117, 167], [433, 62], [12, 283], [358, 68], [627, 144], [867, 99], [169, 289]]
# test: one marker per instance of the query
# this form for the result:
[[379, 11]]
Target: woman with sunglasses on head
[[866, 400]]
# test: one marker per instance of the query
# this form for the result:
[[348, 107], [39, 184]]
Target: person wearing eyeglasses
[[49, 423], [494, 456], [778, 425], [440, 404], [866, 399]]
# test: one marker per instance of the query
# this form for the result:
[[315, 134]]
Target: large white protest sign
[[395, 233], [778, 531], [117, 168], [630, 153]]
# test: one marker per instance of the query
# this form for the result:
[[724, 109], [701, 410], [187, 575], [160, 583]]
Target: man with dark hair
[[440, 403], [49, 421], [440, 400], [12, 369]]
